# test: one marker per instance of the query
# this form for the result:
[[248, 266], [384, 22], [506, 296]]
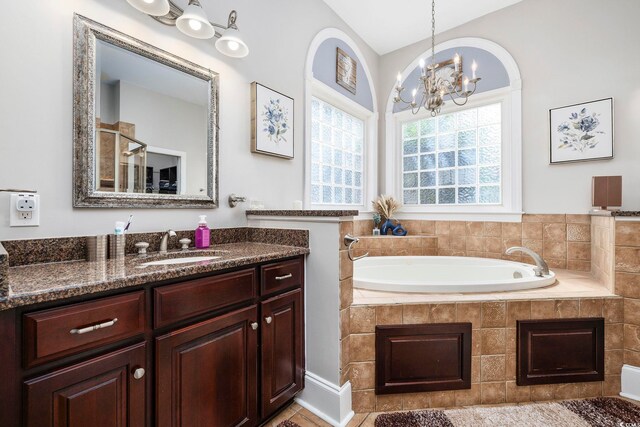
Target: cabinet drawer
[[51, 334], [194, 297], [282, 275]]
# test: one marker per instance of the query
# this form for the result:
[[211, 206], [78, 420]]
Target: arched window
[[467, 160], [340, 127]]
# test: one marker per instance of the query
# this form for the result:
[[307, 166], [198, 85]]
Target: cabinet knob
[[138, 373], [268, 319], [254, 325]]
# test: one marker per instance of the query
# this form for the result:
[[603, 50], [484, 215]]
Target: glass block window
[[453, 159], [337, 150]]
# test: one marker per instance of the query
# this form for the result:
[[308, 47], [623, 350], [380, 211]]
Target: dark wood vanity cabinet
[[104, 391], [215, 351]]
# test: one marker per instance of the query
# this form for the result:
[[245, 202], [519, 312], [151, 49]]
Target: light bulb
[[195, 24], [233, 45], [422, 63], [149, 1]]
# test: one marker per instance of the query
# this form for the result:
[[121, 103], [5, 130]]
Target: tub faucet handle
[[349, 241]]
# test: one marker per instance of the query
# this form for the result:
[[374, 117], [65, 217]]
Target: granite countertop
[[35, 283], [285, 212], [601, 212]]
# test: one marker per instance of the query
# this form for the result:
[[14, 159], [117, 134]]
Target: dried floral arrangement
[[386, 206]]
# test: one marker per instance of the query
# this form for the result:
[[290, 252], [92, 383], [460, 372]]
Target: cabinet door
[[101, 392], [282, 350], [207, 373]]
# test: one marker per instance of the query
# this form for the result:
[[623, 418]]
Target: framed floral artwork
[[582, 132], [271, 122]]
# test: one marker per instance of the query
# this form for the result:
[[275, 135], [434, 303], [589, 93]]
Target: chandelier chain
[[433, 32]]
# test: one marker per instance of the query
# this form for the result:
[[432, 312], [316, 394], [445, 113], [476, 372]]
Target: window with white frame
[[337, 156], [453, 159]]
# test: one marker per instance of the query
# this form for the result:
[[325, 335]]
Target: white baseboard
[[630, 382], [326, 400]]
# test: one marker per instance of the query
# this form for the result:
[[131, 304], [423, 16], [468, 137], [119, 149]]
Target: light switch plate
[[24, 210]]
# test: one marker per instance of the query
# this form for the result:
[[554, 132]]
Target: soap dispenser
[[203, 234]]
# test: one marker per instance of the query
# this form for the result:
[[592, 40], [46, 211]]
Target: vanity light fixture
[[193, 22], [151, 7]]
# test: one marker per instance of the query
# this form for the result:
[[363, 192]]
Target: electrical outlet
[[24, 210]]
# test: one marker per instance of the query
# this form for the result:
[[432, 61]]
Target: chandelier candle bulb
[[474, 67], [399, 85], [456, 61]]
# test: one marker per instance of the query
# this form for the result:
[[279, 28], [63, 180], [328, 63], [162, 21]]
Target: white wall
[[36, 105], [568, 51]]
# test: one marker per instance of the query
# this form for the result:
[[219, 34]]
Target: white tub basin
[[444, 274]]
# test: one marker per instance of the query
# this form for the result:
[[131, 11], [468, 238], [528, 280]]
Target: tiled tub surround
[[493, 349], [563, 240]]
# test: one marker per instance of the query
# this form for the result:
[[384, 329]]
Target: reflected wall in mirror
[[145, 124]]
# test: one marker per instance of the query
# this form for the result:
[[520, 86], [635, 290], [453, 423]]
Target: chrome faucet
[[165, 240], [541, 268]]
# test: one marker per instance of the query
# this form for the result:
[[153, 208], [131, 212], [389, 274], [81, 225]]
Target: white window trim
[[314, 87], [511, 96], [317, 89]]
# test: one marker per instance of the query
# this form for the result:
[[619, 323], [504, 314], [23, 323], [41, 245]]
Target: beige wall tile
[[362, 319], [388, 402], [627, 233], [615, 337], [457, 228], [611, 385], [578, 219], [510, 340], [553, 249], [631, 338], [415, 314], [544, 218], [493, 393], [532, 230], [345, 352], [389, 315], [469, 312], [363, 376], [613, 360], [428, 228], [557, 263], [468, 397], [540, 393], [613, 310], [517, 394], [442, 399], [579, 250], [554, 232], [579, 232], [518, 310], [567, 308], [458, 243], [492, 368], [346, 265], [494, 314], [475, 229], [577, 265], [443, 313], [344, 323], [415, 401], [627, 259], [628, 284], [363, 401], [512, 230], [591, 307], [475, 243], [493, 244], [632, 357], [346, 293], [511, 367], [475, 369], [544, 309], [443, 228], [493, 341], [362, 347], [632, 311], [493, 229]]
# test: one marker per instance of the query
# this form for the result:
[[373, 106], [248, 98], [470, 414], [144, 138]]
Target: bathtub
[[445, 274]]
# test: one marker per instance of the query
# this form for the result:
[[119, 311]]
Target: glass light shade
[[151, 7], [231, 44], [194, 23]]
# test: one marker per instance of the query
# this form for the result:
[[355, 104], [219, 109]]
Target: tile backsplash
[[563, 240]]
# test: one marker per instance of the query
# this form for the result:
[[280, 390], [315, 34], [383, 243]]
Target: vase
[[399, 230], [386, 227]]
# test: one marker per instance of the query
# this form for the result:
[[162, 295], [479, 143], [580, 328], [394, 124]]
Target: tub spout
[[541, 268]]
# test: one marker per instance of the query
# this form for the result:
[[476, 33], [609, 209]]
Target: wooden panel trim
[[47, 337], [191, 298], [554, 351], [448, 366]]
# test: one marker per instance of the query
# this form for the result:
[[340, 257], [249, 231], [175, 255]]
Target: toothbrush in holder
[[128, 223]]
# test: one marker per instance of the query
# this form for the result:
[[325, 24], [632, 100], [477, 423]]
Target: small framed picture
[[582, 132], [271, 122], [346, 71]]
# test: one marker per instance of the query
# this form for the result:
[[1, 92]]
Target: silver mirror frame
[[85, 35]]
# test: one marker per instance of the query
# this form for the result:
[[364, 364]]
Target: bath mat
[[598, 412], [288, 423]]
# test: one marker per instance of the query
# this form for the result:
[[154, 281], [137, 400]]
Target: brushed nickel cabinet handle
[[286, 276], [268, 319], [80, 331], [138, 373], [254, 325]]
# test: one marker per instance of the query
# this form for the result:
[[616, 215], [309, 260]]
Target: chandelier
[[435, 86]]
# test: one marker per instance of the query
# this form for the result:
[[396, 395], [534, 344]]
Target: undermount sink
[[172, 261]]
